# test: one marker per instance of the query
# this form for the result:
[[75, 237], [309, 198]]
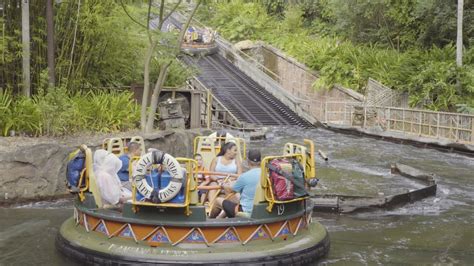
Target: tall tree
[[459, 34], [167, 53], [164, 71], [25, 33], [50, 40]]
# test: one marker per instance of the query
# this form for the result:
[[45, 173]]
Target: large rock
[[35, 171], [245, 45], [35, 168]]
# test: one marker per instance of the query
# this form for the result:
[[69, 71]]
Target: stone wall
[[35, 168], [296, 78]]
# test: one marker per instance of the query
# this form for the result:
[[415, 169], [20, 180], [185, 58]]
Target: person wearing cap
[[246, 185]]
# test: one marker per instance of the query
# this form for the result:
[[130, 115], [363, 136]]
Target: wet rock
[[31, 172], [35, 168]]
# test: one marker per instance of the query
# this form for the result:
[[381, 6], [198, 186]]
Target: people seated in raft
[[226, 161], [134, 149], [203, 179], [246, 185], [106, 167]]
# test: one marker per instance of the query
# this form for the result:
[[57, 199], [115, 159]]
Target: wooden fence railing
[[455, 127]]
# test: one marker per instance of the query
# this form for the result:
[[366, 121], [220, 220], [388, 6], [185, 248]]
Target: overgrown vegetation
[[97, 49], [58, 112], [407, 45]]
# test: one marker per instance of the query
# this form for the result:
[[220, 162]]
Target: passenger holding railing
[[203, 178], [246, 185], [226, 161], [134, 149]]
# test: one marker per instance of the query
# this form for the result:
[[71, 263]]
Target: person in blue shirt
[[134, 149], [246, 185]]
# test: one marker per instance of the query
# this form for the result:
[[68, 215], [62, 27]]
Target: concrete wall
[[296, 78], [35, 168]]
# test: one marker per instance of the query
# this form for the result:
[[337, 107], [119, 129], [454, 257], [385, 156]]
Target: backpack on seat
[[287, 178], [282, 181], [75, 165]]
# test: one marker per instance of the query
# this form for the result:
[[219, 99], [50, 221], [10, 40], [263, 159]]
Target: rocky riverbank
[[34, 168]]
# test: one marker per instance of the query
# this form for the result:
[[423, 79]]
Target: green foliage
[[238, 20], [58, 112], [348, 42], [106, 50]]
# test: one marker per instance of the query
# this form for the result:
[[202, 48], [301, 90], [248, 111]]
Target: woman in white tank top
[[226, 161]]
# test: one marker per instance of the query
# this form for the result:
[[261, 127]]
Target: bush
[[429, 75], [57, 112]]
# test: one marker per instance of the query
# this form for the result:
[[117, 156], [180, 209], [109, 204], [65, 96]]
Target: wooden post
[[420, 117], [345, 108], [437, 127], [326, 111], [472, 130], [195, 110], [209, 109], [365, 115], [403, 120], [456, 138], [388, 120]]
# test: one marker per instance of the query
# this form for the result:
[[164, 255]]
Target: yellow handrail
[[191, 167], [242, 145], [266, 182]]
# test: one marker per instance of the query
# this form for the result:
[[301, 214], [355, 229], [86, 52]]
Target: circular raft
[[199, 49], [96, 248]]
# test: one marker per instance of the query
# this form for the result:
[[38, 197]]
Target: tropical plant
[[348, 42]]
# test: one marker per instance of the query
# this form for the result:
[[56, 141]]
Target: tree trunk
[[459, 34], [50, 37], [25, 38], [146, 84], [155, 97], [163, 73]]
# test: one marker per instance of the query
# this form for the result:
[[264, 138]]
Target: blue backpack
[[75, 165]]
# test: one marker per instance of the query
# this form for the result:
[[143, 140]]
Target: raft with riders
[[226, 205]]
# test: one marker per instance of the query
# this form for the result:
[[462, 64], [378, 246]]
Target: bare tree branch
[[128, 14], [162, 10], [148, 16], [172, 10]]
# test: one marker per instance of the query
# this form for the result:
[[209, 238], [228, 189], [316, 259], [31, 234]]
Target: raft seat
[[114, 145], [209, 147], [264, 192], [139, 140], [307, 153], [190, 189], [90, 179]]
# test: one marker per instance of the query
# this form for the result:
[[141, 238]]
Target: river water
[[437, 230]]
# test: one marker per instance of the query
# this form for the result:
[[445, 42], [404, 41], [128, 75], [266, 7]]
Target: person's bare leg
[[218, 204], [217, 208], [203, 197], [221, 215], [212, 193]]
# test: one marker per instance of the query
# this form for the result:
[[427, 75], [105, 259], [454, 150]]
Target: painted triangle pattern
[[260, 234], [126, 232], [160, 237], [101, 228], [229, 236], [195, 237], [284, 231]]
